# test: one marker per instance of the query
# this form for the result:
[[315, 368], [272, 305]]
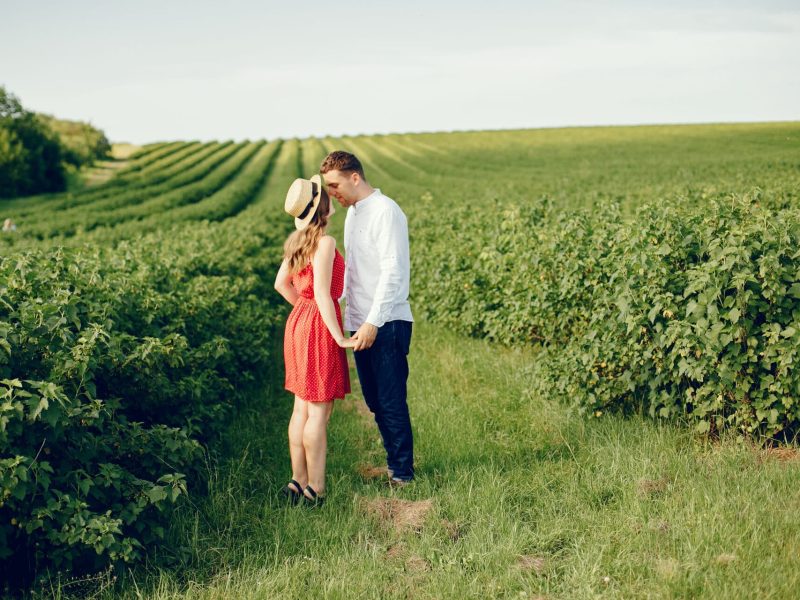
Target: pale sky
[[148, 71]]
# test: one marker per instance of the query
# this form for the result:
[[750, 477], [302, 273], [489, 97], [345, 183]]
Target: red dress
[[316, 367]]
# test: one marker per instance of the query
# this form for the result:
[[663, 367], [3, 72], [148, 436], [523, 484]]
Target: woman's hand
[[346, 342], [365, 336]]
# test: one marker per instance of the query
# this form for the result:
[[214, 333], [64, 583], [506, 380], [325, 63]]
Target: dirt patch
[[667, 567], [400, 515], [455, 531], [414, 564], [650, 488], [528, 562], [395, 551], [417, 564], [725, 559], [660, 526], [369, 472], [784, 454]]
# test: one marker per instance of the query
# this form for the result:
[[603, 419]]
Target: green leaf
[[653, 312], [84, 485], [703, 427], [156, 493], [36, 408]]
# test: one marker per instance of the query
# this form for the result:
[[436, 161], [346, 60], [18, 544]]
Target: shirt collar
[[365, 202]]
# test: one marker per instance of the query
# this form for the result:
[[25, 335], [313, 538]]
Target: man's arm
[[392, 250]]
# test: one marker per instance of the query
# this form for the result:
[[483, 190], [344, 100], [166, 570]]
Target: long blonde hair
[[299, 248]]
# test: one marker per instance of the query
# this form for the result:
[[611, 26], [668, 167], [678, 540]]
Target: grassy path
[[515, 498]]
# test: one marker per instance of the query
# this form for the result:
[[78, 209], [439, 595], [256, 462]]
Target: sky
[[149, 71]]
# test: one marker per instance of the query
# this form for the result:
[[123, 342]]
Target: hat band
[[310, 205]]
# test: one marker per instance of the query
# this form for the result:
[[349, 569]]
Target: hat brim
[[303, 223]]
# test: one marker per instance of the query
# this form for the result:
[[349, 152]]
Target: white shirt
[[377, 263]]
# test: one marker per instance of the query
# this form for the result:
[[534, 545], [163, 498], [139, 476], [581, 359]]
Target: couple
[[375, 281]]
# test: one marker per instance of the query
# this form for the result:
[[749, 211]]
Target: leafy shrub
[[115, 364], [686, 310]]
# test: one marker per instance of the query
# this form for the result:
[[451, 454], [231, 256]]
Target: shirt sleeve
[[391, 237]]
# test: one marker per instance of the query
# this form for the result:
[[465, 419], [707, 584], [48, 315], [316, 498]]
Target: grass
[[515, 497]]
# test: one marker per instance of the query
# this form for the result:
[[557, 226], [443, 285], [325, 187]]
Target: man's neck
[[365, 193]]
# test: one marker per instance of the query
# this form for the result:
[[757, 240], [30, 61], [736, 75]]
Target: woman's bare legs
[[296, 449], [315, 441]]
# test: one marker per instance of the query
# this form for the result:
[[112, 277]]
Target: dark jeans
[[383, 372]]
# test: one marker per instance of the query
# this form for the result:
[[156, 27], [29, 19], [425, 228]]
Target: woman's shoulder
[[326, 247], [326, 244], [328, 239]]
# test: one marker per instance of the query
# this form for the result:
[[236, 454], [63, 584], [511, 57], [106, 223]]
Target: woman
[[311, 278]]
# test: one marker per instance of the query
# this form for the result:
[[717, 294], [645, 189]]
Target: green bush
[[688, 310], [115, 365]]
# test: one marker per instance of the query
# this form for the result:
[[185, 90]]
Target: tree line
[[37, 151]]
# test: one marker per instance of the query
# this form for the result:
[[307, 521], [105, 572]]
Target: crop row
[[165, 175], [207, 176], [33, 207]]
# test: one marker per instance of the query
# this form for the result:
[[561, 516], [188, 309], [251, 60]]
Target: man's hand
[[365, 336]]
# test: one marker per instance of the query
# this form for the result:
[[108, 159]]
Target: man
[[377, 310]]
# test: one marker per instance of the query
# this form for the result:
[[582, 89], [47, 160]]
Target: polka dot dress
[[316, 367]]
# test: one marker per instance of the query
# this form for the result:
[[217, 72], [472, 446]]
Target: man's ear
[[356, 177]]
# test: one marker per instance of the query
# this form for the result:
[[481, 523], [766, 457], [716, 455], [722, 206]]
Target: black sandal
[[316, 500], [291, 495]]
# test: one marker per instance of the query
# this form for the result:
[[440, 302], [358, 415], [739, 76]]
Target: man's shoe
[[396, 482]]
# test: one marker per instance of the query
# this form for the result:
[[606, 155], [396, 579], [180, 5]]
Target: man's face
[[342, 186]]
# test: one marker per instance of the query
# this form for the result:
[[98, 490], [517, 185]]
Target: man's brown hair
[[339, 160]]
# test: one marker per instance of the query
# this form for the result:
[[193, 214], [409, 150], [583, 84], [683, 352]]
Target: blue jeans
[[383, 373]]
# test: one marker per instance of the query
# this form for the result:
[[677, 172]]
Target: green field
[[538, 255]]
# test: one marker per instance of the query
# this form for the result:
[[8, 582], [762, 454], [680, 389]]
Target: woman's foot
[[311, 498], [292, 491]]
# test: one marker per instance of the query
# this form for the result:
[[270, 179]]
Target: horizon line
[[488, 130]]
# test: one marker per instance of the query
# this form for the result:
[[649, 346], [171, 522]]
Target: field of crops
[[135, 314], [655, 269]]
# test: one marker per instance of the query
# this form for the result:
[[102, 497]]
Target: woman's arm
[[323, 272], [283, 283]]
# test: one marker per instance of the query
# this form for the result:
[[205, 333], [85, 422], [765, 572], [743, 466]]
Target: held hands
[[364, 337], [346, 342], [361, 340]]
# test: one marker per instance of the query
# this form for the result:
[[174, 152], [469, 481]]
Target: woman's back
[[303, 281]]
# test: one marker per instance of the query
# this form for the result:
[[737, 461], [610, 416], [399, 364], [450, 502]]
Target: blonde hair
[[299, 248]]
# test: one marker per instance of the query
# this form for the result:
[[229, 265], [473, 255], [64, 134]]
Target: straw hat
[[302, 200]]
